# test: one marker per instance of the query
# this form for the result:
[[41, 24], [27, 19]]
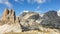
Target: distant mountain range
[[29, 21]]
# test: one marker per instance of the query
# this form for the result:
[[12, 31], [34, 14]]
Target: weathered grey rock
[[50, 15], [30, 15], [28, 21], [26, 26], [51, 19]]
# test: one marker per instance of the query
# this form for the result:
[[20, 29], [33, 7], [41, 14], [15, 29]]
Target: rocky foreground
[[29, 23]]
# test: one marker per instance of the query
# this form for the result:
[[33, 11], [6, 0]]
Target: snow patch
[[58, 12]]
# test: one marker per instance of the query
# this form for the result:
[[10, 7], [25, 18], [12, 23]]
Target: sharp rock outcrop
[[5, 15], [9, 16]]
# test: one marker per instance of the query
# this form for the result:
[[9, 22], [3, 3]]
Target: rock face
[[5, 15], [28, 21], [12, 16], [9, 16], [10, 22], [50, 15], [31, 20], [29, 15], [51, 19], [10, 28]]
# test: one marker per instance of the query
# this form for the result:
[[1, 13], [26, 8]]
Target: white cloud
[[37, 1], [32, 1], [58, 12], [25, 11], [37, 8], [40, 1], [19, 0], [16, 0], [6, 2]]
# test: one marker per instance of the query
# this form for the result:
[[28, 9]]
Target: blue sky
[[19, 6]]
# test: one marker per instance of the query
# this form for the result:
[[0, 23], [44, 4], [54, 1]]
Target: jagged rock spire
[[9, 16], [5, 15], [12, 12], [12, 16]]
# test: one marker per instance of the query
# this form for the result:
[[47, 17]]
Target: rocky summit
[[29, 23]]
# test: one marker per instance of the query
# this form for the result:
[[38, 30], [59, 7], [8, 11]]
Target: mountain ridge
[[28, 21]]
